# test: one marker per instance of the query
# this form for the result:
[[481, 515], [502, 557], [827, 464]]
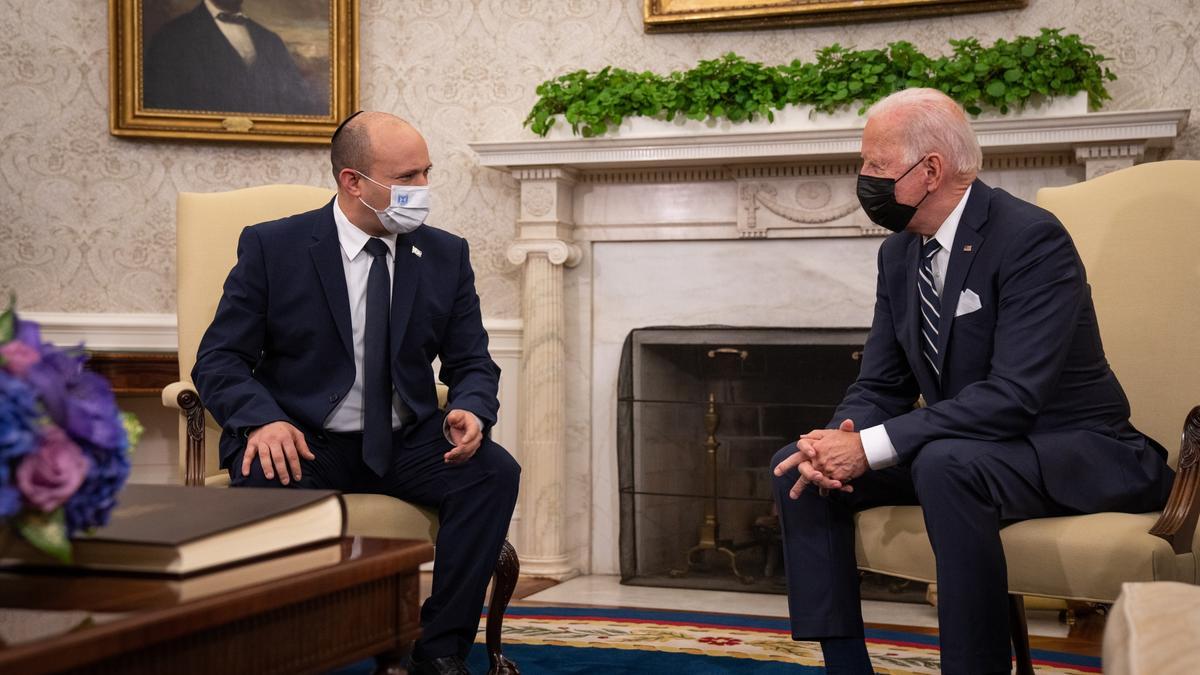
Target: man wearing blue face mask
[[983, 310], [317, 365]]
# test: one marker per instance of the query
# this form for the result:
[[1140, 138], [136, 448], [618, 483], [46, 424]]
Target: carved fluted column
[[543, 249]]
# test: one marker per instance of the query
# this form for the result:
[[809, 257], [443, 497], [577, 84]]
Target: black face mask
[[878, 198]]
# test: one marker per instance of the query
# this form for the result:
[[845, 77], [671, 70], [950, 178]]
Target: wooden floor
[[1084, 637]]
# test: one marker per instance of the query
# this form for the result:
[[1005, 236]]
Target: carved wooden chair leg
[[508, 567], [1020, 634]]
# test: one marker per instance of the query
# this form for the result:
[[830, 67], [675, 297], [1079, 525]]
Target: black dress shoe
[[443, 665]]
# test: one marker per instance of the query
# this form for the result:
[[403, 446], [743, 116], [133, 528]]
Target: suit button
[[333, 397]]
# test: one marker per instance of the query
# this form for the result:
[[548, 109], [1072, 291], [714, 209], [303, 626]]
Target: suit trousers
[[474, 501], [968, 490]]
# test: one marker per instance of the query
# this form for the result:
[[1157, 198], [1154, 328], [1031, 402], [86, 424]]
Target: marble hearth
[[732, 229]]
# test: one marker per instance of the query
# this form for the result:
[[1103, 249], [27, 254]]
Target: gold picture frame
[[278, 71], [664, 16]]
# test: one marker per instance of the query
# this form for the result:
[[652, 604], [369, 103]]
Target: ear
[[349, 181], [934, 168]]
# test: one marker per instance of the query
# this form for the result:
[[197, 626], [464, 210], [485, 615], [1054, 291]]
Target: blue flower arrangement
[[64, 444]]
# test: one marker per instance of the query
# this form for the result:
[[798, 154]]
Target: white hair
[[932, 122]]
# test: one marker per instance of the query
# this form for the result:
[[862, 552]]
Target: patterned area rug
[[544, 639]]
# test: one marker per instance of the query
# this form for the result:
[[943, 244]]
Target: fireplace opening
[[700, 412]]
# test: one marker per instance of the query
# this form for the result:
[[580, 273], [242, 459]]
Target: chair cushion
[[1075, 557], [1154, 629], [370, 515]]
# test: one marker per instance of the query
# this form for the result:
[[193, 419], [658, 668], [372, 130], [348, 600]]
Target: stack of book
[[181, 531]]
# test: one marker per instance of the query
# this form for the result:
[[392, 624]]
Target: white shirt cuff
[[446, 426], [878, 447]]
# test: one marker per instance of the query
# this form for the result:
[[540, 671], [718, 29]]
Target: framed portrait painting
[[696, 15], [283, 71]]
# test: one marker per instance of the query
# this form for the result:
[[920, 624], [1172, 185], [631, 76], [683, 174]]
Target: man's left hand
[[465, 434], [836, 453]]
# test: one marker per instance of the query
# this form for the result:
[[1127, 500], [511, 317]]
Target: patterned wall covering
[[88, 219]]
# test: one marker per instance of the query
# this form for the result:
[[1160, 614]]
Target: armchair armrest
[[1177, 524], [172, 392], [183, 397]]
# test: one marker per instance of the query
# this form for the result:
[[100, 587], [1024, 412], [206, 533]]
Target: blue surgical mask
[[407, 210]]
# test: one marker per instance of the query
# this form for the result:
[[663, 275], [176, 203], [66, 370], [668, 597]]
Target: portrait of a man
[[236, 56]]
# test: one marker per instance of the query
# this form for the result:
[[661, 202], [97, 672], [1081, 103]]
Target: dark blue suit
[[279, 348], [1026, 420]]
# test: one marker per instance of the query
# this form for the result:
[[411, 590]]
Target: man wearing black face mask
[[982, 309]]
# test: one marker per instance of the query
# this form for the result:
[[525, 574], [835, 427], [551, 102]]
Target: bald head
[[926, 120], [372, 153], [357, 143]]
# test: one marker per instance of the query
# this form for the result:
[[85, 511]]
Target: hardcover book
[[178, 530]]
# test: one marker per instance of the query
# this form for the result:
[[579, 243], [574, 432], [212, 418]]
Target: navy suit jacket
[[1027, 364], [189, 65], [279, 347]]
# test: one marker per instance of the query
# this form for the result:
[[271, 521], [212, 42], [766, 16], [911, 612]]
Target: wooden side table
[[311, 610]]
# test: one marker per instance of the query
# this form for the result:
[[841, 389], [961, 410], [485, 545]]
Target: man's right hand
[[278, 446], [800, 460]]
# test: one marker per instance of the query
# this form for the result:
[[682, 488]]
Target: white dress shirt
[[237, 34], [876, 442], [348, 415]]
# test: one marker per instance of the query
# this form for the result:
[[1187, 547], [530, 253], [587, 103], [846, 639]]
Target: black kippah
[[346, 121]]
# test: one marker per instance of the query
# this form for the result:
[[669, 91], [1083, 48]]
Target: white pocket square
[[968, 301]]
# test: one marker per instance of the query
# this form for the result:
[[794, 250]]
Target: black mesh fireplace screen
[[700, 412]]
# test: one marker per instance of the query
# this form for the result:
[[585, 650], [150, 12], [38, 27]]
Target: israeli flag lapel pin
[[416, 251]]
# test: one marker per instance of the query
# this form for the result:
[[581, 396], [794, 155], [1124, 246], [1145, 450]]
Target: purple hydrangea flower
[[79, 401], [18, 422], [10, 501], [28, 332], [92, 504]]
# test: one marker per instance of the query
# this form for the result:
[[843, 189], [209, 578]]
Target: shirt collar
[[353, 239], [945, 233], [213, 9]]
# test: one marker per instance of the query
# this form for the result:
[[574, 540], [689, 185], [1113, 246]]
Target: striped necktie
[[930, 312]]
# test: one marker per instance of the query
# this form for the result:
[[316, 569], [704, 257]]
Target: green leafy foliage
[[8, 320], [1004, 76], [47, 532]]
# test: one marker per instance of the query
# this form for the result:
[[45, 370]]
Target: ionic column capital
[[559, 252]]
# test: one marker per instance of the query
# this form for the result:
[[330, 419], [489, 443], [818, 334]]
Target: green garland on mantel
[[1003, 76]]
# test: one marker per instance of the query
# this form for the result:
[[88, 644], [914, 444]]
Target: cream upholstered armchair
[[1138, 232], [207, 229]]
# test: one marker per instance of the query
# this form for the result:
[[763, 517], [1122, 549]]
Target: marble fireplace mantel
[[595, 212], [1120, 134]]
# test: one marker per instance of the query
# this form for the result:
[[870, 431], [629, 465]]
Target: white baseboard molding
[[157, 332], [108, 332]]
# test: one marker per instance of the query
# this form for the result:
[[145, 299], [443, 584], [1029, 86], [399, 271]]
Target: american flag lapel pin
[[967, 248], [416, 251]]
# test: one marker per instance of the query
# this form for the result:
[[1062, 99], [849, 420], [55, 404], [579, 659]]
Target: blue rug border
[[760, 622]]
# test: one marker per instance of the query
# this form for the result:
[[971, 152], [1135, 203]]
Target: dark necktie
[[377, 372], [232, 17], [930, 305]]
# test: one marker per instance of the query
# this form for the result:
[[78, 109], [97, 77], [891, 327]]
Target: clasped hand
[[827, 458]]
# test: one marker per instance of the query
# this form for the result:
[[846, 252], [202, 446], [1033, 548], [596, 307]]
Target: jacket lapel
[[967, 241], [406, 276], [326, 254]]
